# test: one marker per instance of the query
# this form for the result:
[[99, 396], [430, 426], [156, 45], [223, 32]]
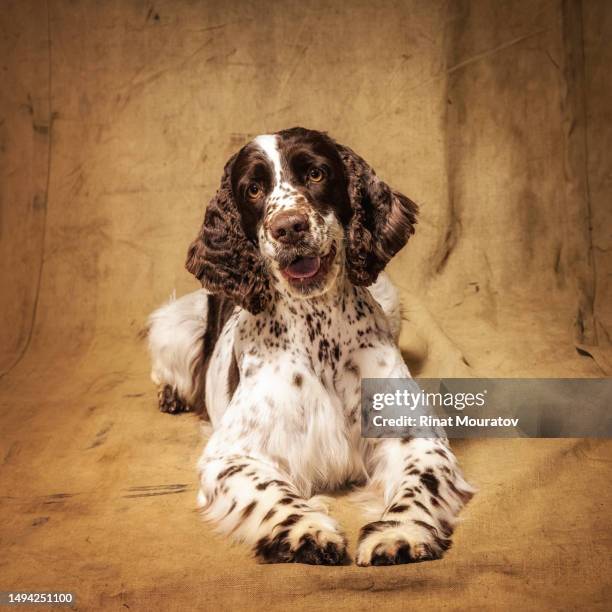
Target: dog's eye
[[253, 191], [316, 175]]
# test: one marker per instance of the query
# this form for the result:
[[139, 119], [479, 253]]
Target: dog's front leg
[[419, 480], [423, 491], [251, 499]]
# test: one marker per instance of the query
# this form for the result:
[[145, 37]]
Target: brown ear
[[382, 221], [223, 258]]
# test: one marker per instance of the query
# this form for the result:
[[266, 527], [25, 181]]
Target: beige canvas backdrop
[[115, 121]]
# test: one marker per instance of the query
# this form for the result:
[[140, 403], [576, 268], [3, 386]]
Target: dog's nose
[[289, 226]]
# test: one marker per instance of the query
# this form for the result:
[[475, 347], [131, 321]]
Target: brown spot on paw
[[396, 555], [311, 553], [316, 546], [395, 543]]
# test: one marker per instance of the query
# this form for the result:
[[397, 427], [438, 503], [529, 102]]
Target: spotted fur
[[280, 371]]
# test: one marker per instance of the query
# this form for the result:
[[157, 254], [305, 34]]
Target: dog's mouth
[[305, 271], [303, 267]]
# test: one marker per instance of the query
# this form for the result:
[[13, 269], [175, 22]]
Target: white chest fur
[[300, 367]]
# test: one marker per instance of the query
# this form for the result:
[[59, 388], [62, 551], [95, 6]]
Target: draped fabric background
[[115, 121]]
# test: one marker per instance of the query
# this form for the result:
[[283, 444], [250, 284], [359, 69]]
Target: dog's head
[[295, 210]]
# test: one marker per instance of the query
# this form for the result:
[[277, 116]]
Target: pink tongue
[[305, 267]]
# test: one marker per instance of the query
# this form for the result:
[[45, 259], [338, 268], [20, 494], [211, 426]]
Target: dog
[[295, 310]]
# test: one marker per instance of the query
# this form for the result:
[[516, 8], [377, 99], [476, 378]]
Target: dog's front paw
[[394, 543], [311, 538], [169, 400]]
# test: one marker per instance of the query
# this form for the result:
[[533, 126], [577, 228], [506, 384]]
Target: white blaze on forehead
[[268, 143]]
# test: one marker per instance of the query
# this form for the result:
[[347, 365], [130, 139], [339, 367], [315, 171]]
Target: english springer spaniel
[[295, 310]]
